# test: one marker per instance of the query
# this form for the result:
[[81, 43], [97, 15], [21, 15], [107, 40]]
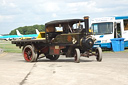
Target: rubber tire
[[32, 51], [99, 54], [53, 57], [77, 55]]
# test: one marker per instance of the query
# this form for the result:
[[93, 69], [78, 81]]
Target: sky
[[19, 13]]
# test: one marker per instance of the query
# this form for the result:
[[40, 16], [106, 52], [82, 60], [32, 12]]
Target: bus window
[[95, 28], [102, 28], [125, 24]]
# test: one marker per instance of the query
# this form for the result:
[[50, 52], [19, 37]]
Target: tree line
[[28, 29]]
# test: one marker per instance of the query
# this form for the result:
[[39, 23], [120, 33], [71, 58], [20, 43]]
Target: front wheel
[[99, 54], [77, 55], [29, 53], [52, 57]]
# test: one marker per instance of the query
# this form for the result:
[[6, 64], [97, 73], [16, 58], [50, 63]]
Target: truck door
[[119, 35], [117, 30]]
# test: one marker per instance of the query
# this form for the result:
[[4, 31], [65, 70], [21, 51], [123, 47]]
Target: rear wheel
[[52, 57], [77, 55], [29, 53], [99, 54]]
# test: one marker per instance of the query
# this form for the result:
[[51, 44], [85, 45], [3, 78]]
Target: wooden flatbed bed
[[31, 41]]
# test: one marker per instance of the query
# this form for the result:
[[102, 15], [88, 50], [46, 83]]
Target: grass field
[[11, 48], [8, 47]]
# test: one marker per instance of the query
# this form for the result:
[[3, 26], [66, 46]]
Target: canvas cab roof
[[67, 21]]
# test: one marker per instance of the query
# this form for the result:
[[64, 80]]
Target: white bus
[[107, 28]]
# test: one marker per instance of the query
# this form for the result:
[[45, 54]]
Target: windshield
[[79, 25], [102, 28]]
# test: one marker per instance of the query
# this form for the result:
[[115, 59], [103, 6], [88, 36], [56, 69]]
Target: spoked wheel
[[77, 55], [99, 54], [52, 57], [29, 54]]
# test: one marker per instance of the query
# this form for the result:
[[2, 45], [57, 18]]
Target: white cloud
[[3, 2], [4, 18], [51, 7], [47, 7], [8, 4], [86, 7], [41, 11], [54, 15], [12, 5]]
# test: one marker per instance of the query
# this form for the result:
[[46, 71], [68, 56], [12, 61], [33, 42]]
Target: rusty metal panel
[[72, 38], [54, 50]]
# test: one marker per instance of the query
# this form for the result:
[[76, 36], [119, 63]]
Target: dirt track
[[113, 70]]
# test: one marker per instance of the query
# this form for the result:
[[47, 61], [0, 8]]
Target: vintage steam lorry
[[69, 37]]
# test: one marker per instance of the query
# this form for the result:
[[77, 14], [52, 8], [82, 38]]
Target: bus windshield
[[102, 28]]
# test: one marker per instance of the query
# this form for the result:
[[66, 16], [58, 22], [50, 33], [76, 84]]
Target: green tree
[[28, 29]]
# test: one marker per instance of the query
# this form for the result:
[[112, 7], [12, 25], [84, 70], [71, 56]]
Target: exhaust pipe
[[86, 21]]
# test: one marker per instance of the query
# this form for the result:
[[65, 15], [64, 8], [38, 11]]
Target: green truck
[[70, 37]]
